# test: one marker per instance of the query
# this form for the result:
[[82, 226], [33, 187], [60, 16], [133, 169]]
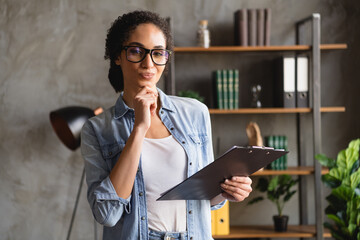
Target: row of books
[[226, 85], [220, 221], [292, 82], [277, 142], [252, 27]]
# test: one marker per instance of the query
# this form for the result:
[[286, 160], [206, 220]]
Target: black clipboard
[[237, 161]]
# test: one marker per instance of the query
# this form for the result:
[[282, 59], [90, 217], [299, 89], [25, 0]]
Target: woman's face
[[146, 72]]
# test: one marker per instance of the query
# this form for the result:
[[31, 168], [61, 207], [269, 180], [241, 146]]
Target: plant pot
[[280, 223]]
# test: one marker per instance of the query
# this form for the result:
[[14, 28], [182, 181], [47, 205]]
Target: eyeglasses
[[136, 54]]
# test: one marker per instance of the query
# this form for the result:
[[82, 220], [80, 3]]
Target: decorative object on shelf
[[203, 34], [255, 92], [277, 142], [191, 94], [226, 86], [67, 123], [252, 27], [254, 135], [278, 190], [344, 199]]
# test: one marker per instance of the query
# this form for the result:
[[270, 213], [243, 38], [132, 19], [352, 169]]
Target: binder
[[222, 220], [285, 82], [213, 222], [302, 86], [237, 161]]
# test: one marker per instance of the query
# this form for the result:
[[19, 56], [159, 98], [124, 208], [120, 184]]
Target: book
[[225, 88], [237, 161], [267, 26], [252, 27], [230, 74], [241, 27], [236, 89], [218, 85], [260, 22]]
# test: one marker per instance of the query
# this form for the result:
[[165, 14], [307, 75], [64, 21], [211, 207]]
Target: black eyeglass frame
[[147, 51]]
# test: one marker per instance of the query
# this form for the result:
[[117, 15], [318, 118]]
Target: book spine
[[236, 89], [260, 22], [286, 148], [252, 27], [267, 26], [276, 146], [219, 89], [230, 74], [225, 89], [281, 159], [243, 27]]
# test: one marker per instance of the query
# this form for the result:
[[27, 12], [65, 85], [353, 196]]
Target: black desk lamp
[[67, 123]]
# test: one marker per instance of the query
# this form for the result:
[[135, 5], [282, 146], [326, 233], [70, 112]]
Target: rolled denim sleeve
[[106, 205]]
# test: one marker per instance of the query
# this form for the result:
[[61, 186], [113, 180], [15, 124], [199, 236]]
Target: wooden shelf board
[[259, 48], [274, 110], [304, 231], [303, 170]]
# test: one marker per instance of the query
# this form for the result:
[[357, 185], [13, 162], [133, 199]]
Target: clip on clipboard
[[237, 161]]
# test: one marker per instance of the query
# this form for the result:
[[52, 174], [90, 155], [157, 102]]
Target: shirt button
[[190, 163], [142, 218], [171, 128], [141, 193], [191, 238], [183, 142], [162, 112], [190, 212]]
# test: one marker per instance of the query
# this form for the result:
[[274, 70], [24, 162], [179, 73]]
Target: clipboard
[[237, 161]]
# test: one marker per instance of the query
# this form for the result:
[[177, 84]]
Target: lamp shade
[[68, 122]]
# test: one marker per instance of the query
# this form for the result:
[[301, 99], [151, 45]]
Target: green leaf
[[351, 228], [337, 173], [355, 180], [325, 161], [355, 166], [289, 195], [255, 200], [330, 181], [336, 219], [343, 192], [273, 183], [336, 202], [341, 160]]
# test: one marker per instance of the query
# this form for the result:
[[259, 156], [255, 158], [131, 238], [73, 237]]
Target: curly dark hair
[[120, 31]]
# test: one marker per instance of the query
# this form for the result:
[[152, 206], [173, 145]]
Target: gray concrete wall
[[51, 55]]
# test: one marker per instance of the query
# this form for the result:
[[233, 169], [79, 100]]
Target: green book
[[286, 148], [236, 89], [281, 159], [276, 146], [219, 90], [231, 88], [225, 89]]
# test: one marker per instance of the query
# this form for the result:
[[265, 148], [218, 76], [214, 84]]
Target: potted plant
[[344, 200], [278, 190]]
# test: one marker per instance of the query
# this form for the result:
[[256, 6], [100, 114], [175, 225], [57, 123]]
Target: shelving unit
[[304, 230], [261, 231]]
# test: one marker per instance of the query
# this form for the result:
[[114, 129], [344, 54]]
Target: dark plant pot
[[280, 223]]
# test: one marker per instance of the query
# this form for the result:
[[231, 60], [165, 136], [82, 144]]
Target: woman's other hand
[[237, 188], [145, 105]]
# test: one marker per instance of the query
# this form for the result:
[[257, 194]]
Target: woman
[[148, 142]]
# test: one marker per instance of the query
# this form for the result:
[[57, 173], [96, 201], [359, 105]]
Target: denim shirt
[[103, 138]]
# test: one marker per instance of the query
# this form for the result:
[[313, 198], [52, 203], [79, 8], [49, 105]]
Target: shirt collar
[[121, 108]]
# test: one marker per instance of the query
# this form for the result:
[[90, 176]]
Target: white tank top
[[164, 166]]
